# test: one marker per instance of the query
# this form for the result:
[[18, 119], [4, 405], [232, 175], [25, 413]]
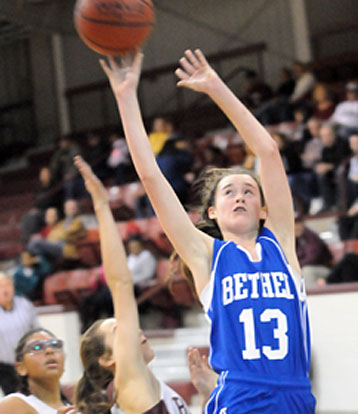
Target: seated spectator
[[162, 129], [346, 112], [61, 240], [40, 364], [305, 82], [323, 102], [175, 161], [46, 195], [255, 91], [97, 304], [311, 145], [348, 223], [349, 176], [63, 171], [96, 153], [119, 160], [345, 271], [297, 177], [17, 316], [335, 150], [141, 262], [313, 254], [29, 276], [300, 133]]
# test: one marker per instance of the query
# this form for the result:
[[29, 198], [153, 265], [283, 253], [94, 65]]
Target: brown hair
[[90, 394], [206, 186]]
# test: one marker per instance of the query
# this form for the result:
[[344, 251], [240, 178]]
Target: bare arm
[[197, 74], [191, 244], [131, 370]]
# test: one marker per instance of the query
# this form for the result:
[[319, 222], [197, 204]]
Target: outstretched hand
[[123, 78], [202, 376], [195, 73], [93, 184]]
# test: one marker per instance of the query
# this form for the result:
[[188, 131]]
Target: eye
[[248, 192], [228, 192]]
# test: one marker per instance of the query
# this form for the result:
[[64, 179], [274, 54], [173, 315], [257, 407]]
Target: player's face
[[109, 329], [237, 208], [43, 357]]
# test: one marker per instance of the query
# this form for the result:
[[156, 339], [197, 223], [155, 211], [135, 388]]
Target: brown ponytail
[[90, 395]]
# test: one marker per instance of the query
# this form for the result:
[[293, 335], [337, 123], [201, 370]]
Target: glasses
[[39, 347]]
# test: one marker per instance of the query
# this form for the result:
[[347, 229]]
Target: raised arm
[[197, 74], [131, 370], [191, 244]]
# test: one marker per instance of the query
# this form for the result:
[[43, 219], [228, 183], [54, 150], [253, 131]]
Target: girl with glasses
[[40, 365]]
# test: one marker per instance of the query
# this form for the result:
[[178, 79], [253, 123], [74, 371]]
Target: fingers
[[194, 61], [181, 74], [105, 67], [201, 58]]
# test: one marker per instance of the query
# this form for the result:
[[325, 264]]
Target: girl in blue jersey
[[247, 276]]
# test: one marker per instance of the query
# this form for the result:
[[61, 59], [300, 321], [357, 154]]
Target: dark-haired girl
[[247, 275], [40, 365], [116, 349]]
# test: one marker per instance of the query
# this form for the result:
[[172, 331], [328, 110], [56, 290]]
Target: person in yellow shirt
[[161, 130]]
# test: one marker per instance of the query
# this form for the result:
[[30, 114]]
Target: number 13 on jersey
[[279, 333]]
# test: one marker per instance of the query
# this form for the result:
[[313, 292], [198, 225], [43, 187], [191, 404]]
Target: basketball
[[114, 27]]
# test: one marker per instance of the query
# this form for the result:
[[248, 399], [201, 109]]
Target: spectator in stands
[[277, 109], [29, 276], [96, 153], [348, 192], [175, 161], [313, 253], [17, 316], [334, 151], [255, 91], [305, 82], [323, 102], [119, 160], [311, 145], [296, 174], [47, 194], [97, 304], [61, 240], [141, 262], [300, 133], [63, 171], [346, 112], [40, 365], [162, 129], [345, 271]]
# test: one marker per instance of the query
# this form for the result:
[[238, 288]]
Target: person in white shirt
[[346, 112], [141, 262]]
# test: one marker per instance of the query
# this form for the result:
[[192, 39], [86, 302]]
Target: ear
[[21, 369], [263, 213], [212, 213], [106, 361]]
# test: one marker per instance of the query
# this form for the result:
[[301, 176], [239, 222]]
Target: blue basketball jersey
[[259, 341]]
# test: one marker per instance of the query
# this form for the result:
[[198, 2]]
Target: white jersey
[[34, 403], [172, 400]]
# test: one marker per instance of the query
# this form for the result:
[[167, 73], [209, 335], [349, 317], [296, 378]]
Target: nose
[[49, 350]]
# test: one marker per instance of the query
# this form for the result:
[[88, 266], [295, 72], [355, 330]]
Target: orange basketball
[[114, 27]]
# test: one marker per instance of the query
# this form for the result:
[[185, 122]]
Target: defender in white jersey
[[116, 349], [255, 307], [40, 365]]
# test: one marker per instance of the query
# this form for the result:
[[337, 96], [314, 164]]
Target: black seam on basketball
[[113, 49], [111, 23], [147, 3]]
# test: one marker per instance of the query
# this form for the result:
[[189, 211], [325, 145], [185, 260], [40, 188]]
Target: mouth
[[52, 363], [240, 209]]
